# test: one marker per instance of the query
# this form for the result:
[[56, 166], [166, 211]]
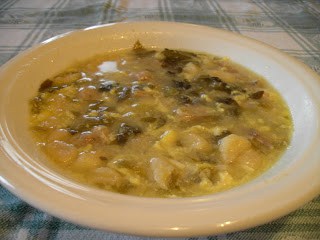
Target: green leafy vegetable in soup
[[160, 122]]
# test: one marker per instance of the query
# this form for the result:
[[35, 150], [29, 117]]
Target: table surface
[[292, 26]]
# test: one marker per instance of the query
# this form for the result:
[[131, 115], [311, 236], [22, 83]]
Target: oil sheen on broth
[[160, 122]]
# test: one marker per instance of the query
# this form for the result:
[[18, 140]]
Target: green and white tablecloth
[[290, 25]]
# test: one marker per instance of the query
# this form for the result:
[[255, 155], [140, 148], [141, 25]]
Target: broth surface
[[160, 123]]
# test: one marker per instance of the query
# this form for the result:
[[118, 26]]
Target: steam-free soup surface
[[160, 122]]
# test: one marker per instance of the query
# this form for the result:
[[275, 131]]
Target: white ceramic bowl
[[291, 182]]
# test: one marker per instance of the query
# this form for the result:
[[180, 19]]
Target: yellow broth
[[160, 123]]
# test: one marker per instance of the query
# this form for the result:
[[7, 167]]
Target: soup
[[160, 122]]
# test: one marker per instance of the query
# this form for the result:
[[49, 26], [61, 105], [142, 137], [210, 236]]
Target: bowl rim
[[199, 207]]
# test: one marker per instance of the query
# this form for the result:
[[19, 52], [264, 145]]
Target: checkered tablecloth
[[290, 25]]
